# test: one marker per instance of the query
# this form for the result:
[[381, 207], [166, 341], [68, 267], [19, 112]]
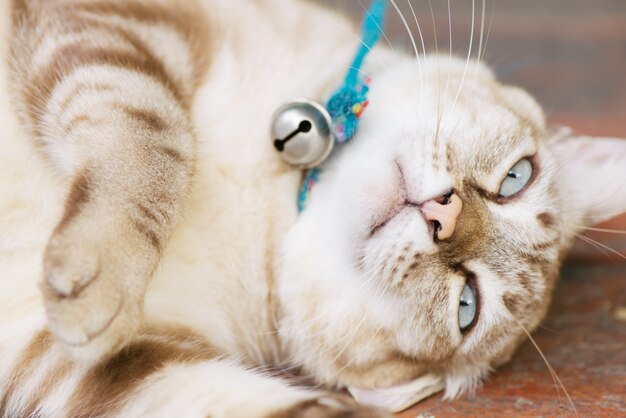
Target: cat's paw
[[331, 406], [93, 299]]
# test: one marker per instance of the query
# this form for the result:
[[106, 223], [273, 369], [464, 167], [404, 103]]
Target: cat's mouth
[[386, 219], [394, 206], [398, 205]]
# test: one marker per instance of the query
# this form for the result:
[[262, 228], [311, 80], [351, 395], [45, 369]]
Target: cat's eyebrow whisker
[[555, 377]]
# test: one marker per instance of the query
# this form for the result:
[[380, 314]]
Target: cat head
[[432, 243]]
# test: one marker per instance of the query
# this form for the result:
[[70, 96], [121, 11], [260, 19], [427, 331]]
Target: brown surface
[[570, 54]]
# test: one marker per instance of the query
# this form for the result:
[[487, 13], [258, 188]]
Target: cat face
[[372, 296]]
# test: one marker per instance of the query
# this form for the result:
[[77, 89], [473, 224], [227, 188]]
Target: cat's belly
[[218, 269], [220, 266]]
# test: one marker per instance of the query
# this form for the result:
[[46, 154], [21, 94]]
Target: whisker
[[548, 329], [412, 39], [361, 71], [610, 231], [450, 46], [419, 29], [606, 247], [439, 111], [469, 54], [406, 26], [432, 16], [480, 43], [592, 243], [377, 25], [360, 40], [555, 377], [482, 58]]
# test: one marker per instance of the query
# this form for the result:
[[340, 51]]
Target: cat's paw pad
[[88, 305], [332, 406]]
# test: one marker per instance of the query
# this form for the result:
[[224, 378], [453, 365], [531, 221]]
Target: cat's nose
[[444, 212]]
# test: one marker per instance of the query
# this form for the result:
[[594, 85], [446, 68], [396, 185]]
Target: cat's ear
[[400, 397], [591, 173]]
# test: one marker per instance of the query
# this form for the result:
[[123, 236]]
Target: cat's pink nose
[[445, 212]]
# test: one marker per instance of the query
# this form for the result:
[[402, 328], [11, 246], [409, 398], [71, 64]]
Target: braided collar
[[348, 102]]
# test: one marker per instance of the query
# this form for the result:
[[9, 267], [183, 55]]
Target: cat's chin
[[402, 396]]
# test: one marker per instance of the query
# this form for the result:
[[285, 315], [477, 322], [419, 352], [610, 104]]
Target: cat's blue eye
[[517, 178], [467, 307]]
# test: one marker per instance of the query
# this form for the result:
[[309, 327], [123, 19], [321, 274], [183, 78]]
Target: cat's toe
[[331, 406], [69, 267], [87, 304]]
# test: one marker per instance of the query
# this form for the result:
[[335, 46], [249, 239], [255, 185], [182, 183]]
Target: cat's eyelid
[[493, 194], [469, 277], [525, 150], [533, 159], [493, 177]]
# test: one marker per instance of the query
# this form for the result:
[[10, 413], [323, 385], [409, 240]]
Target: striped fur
[[152, 262], [92, 85]]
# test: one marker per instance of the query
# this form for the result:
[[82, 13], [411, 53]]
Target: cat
[[152, 259]]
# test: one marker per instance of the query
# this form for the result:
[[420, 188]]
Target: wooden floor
[[570, 54]]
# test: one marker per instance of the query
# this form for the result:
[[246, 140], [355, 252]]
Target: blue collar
[[347, 104]]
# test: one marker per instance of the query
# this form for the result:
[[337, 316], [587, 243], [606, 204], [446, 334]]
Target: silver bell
[[301, 133]]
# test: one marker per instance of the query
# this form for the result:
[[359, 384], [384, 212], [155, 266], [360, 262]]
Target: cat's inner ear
[[400, 397], [592, 174]]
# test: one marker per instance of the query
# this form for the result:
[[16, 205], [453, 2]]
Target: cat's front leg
[[106, 97], [223, 389], [118, 217]]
